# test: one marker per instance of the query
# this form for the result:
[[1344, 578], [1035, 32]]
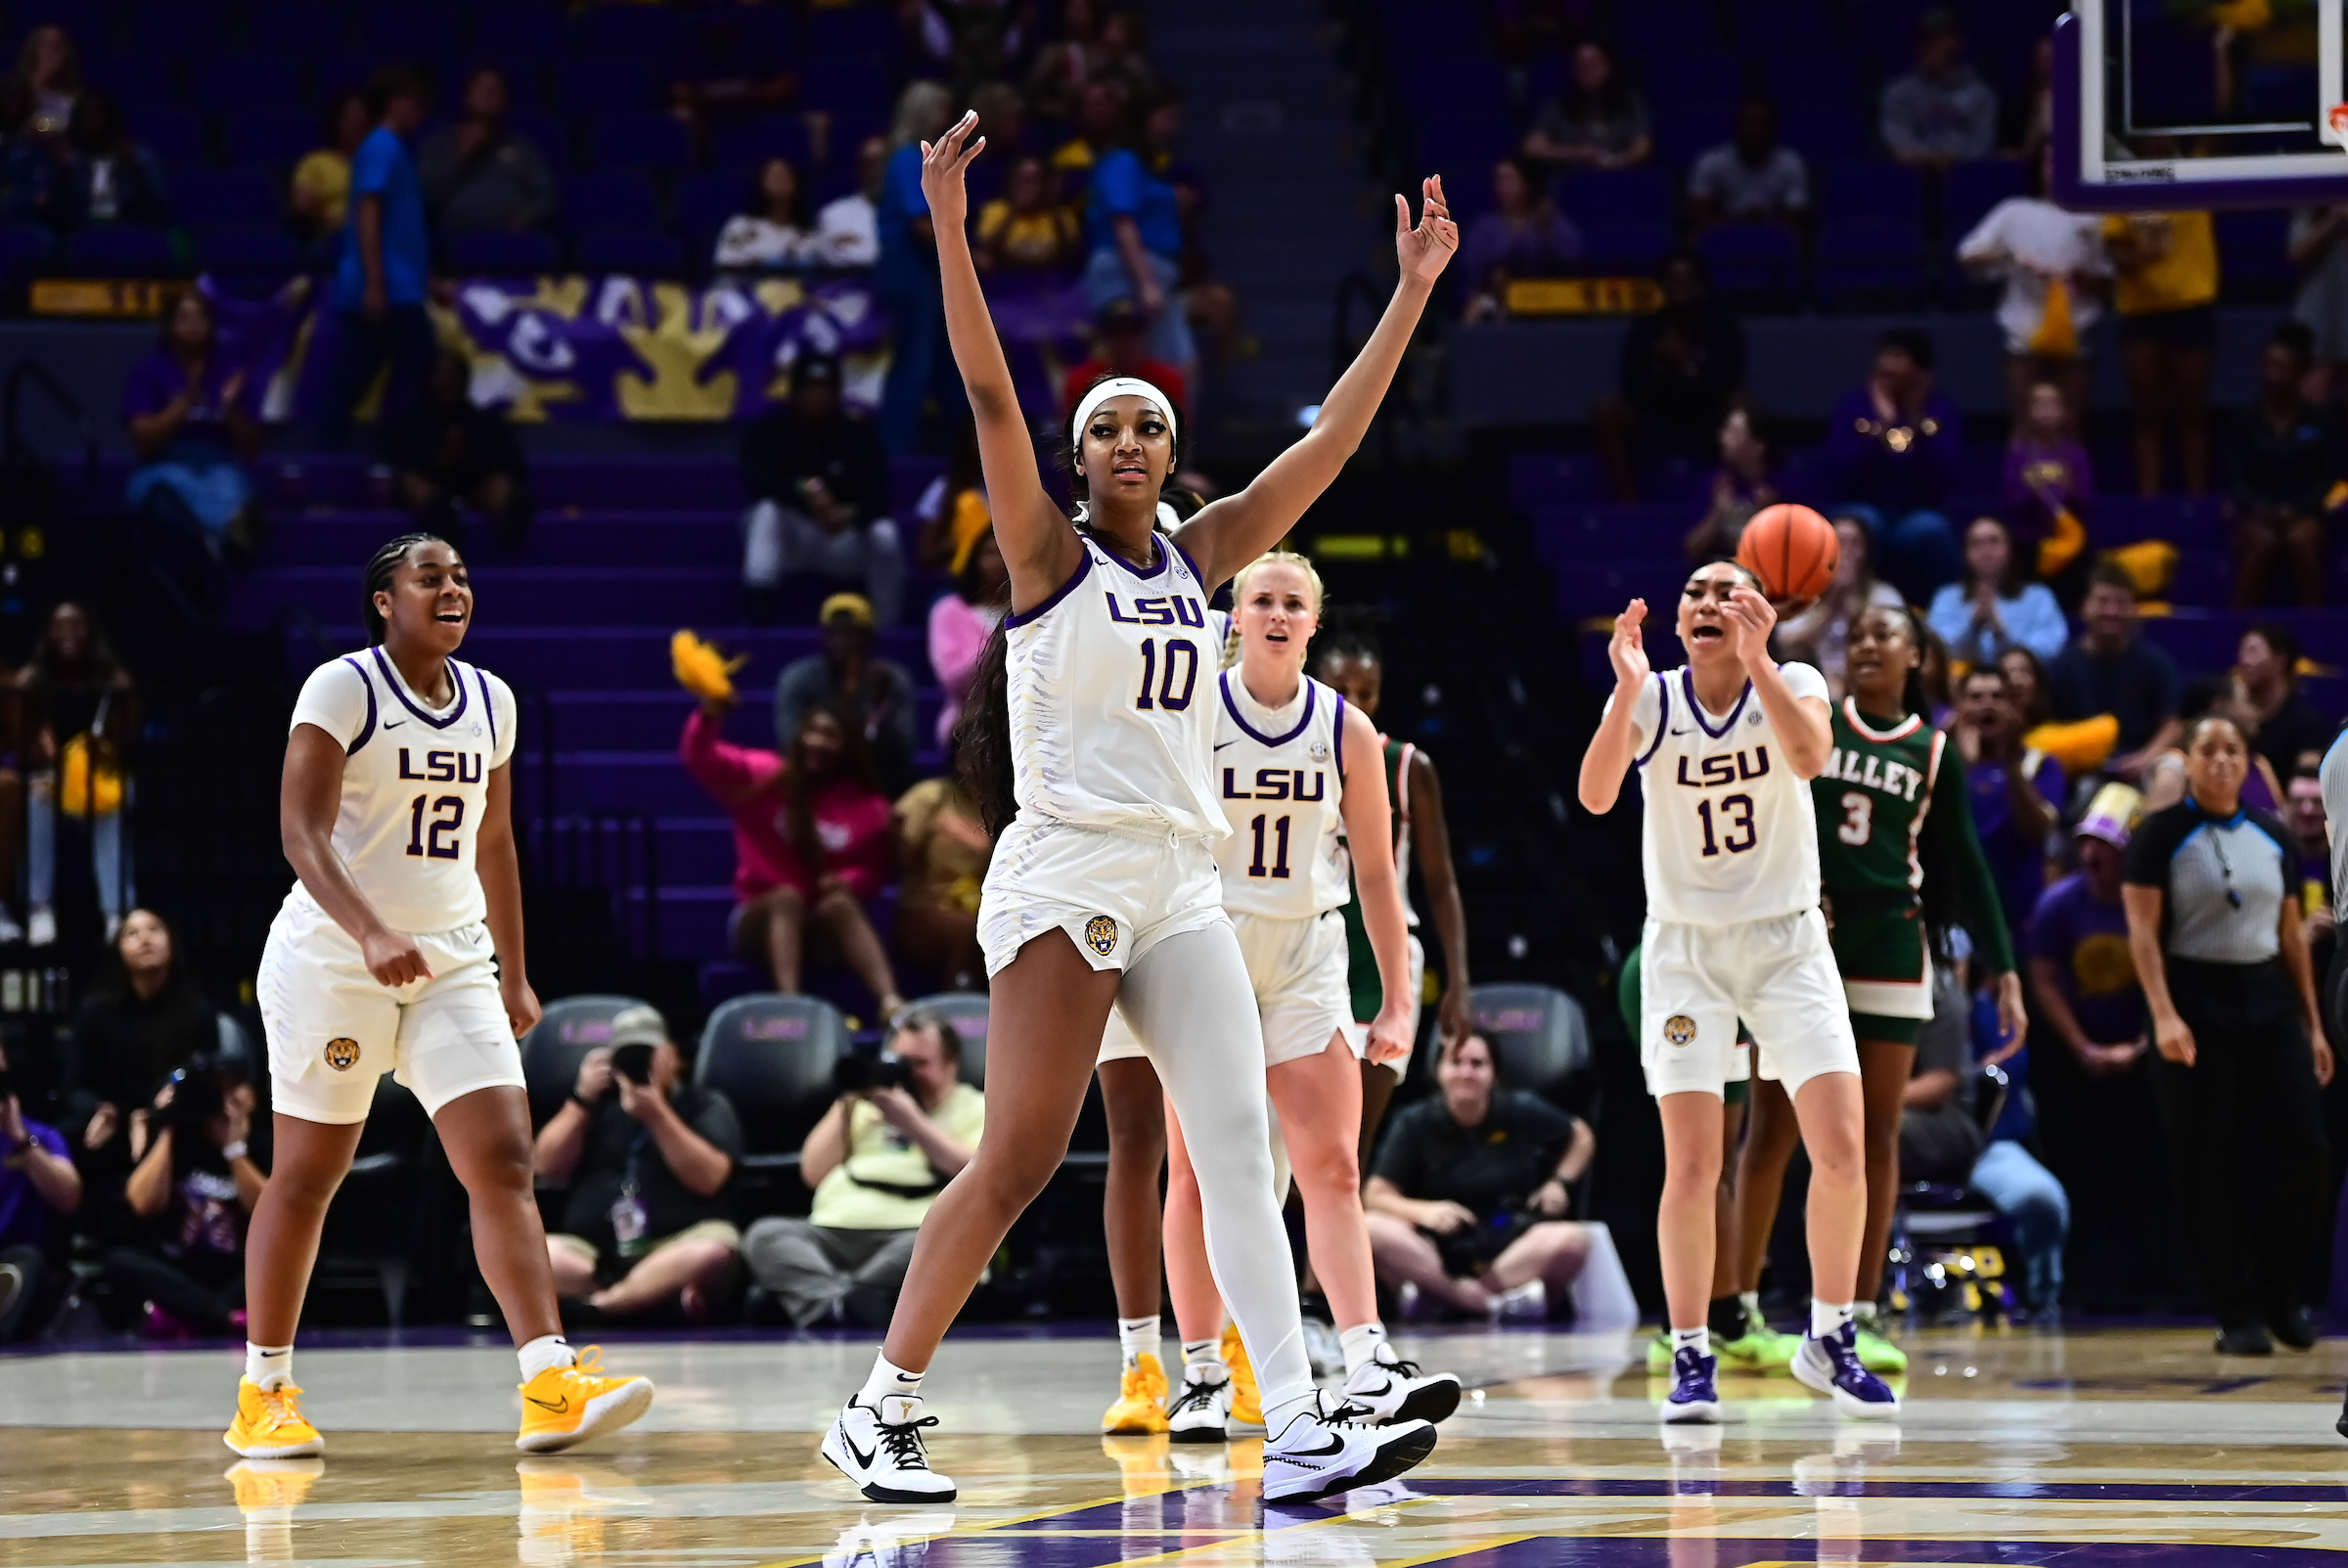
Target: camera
[[634, 1061], [199, 1094], [859, 1074]]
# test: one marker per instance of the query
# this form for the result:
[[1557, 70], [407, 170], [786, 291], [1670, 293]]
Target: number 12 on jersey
[[1735, 821], [425, 838]]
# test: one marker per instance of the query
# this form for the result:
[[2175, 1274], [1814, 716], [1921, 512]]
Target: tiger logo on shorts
[[1679, 1029], [1101, 934], [341, 1053]]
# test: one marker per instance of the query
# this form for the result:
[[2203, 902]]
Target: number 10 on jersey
[[1181, 653]]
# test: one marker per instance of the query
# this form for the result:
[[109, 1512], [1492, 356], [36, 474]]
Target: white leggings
[[1188, 1001]]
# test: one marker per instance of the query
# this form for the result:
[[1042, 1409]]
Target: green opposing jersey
[[1873, 799]]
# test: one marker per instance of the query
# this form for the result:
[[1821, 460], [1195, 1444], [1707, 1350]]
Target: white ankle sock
[[1699, 1340], [268, 1366], [1138, 1337], [1277, 1417], [1362, 1343], [1203, 1359], [888, 1383], [1752, 1308], [1825, 1317], [546, 1352]]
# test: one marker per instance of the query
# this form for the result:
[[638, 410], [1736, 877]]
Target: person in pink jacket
[[960, 623], [811, 843]]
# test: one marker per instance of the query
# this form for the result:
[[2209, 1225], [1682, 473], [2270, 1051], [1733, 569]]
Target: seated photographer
[[903, 1125], [649, 1160], [39, 1189], [194, 1187], [1467, 1194]]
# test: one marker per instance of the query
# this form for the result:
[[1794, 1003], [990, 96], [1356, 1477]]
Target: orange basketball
[[1791, 549]]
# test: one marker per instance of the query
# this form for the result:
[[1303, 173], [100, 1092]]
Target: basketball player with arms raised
[[399, 950], [1725, 747]]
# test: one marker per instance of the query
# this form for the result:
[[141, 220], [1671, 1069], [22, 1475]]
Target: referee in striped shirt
[[2214, 925]]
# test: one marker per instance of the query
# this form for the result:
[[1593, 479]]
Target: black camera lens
[[633, 1062]]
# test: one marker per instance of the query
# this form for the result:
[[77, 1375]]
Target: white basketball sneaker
[[1200, 1410], [880, 1452], [1323, 1450], [1393, 1389]]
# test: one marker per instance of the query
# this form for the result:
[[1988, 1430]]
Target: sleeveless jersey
[[1729, 834], [415, 785], [1281, 776], [1872, 801], [1112, 699]]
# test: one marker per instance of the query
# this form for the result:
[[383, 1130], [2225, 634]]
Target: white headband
[[1118, 386]]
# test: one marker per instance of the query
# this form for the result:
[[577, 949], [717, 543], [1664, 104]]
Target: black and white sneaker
[[880, 1452], [1329, 1450], [1392, 1389], [1200, 1410]]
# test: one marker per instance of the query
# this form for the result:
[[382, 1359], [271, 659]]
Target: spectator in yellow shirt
[[320, 194], [1023, 230], [2166, 266]]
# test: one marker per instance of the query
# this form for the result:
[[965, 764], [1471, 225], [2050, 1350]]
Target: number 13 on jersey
[[1736, 830]]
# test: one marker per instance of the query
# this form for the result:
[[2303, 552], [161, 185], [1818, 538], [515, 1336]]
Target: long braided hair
[[382, 566]]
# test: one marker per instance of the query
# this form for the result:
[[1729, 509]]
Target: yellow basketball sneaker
[[270, 1425], [265, 1484], [565, 1406], [1141, 1407], [1247, 1418]]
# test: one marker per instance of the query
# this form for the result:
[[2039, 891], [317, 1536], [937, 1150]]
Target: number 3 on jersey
[[1182, 653], [1858, 819], [425, 838], [1736, 818]]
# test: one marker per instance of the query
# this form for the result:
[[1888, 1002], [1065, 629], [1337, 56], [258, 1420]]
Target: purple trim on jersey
[[1251, 732], [1166, 550], [1688, 690], [488, 707], [400, 692], [1337, 740], [1663, 722], [1197, 575], [1083, 567], [367, 730]]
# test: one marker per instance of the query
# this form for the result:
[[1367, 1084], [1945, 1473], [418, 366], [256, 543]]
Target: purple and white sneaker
[[1694, 1399], [1831, 1365]]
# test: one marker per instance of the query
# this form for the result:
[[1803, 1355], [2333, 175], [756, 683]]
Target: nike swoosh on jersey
[[1220, 745], [393, 724]]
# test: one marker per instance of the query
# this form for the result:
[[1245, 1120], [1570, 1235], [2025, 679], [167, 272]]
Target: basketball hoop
[[2338, 120]]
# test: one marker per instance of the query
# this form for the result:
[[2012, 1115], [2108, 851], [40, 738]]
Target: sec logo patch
[[1679, 1029], [341, 1053], [1101, 935]]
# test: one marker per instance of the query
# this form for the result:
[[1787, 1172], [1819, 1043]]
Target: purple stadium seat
[[23, 246], [173, 135], [653, 33], [268, 135], [869, 29], [1682, 135], [549, 133], [846, 84], [495, 254], [600, 85], [752, 142], [250, 248], [644, 137], [339, 73], [1867, 263], [1676, 30], [631, 253], [608, 200], [1751, 263], [514, 28], [1823, 130], [1847, 188], [135, 80], [1624, 195], [704, 201], [1970, 190], [183, 27], [1697, 81], [121, 250], [1626, 246], [1886, 32], [1808, 75], [299, 26], [408, 30], [224, 197], [224, 83]]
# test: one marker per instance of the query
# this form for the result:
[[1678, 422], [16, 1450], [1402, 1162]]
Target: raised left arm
[[1233, 531]]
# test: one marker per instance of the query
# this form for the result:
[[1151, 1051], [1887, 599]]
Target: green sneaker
[[1760, 1348], [1877, 1353], [1658, 1354]]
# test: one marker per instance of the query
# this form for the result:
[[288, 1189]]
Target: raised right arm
[[1616, 741], [1038, 545]]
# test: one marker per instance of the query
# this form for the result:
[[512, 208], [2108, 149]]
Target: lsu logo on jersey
[[1160, 610], [1721, 768], [1101, 935], [444, 767], [1680, 1029], [341, 1053]]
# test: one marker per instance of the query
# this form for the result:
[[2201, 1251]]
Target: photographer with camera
[[650, 1161], [1468, 1196], [193, 1189], [904, 1123], [39, 1188]]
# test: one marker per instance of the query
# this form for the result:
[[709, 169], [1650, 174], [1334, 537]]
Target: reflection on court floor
[[2094, 1451]]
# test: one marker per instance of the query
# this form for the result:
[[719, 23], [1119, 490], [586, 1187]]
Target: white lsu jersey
[[1281, 778], [415, 785], [1113, 702], [1730, 833]]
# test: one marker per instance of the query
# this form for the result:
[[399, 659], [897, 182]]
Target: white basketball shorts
[[333, 1030], [1117, 895], [1777, 974], [1296, 970]]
